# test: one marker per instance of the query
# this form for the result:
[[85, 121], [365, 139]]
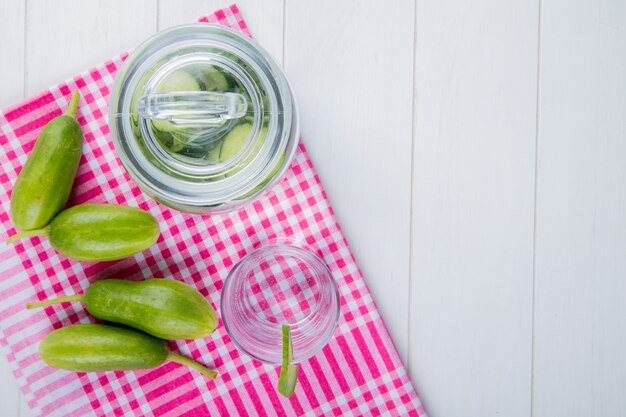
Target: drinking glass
[[280, 283]]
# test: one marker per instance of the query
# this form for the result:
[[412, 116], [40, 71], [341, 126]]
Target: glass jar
[[202, 118]]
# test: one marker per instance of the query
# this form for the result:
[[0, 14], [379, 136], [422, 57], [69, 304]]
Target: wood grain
[[473, 206], [351, 65], [9, 391], [24, 410], [264, 19], [580, 326], [65, 37], [12, 30]]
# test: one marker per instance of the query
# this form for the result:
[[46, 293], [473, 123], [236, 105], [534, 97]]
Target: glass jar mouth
[[191, 166], [254, 95], [276, 284]]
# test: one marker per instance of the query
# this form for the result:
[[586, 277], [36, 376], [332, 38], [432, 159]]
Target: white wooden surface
[[473, 206], [474, 153], [580, 275]]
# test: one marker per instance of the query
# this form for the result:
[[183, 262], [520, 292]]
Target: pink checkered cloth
[[357, 373]]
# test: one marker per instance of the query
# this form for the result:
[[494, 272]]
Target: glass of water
[[280, 283]]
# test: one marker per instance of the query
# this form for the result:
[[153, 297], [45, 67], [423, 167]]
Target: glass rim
[[232, 275]]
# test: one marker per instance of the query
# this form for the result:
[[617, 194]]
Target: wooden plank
[[65, 37], [24, 410], [264, 19], [473, 206], [12, 51], [580, 331], [351, 63], [9, 391]]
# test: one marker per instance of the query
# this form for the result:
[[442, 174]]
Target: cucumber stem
[[72, 108], [27, 233], [45, 303], [192, 364]]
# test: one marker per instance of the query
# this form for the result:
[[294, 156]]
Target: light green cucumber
[[210, 78], [45, 182], [288, 371], [98, 232], [100, 348], [176, 81], [137, 96], [235, 141]]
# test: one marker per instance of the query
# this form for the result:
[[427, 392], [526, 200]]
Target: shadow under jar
[[202, 118]]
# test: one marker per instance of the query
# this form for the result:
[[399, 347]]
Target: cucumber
[[176, 81], [179, 141], [214, 154], [214, 158], [163, 308], [136, 96], [98, 232], [235, 140], [210, 78], [288, 371], [101, 347], [165, 139], [45, 182]]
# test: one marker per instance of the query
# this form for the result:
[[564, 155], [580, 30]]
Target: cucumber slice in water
[[235, 141], [214, 154], [164, 138], [135, 100], [177, 81], [210, 78], [288, 371], [214, 158]]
